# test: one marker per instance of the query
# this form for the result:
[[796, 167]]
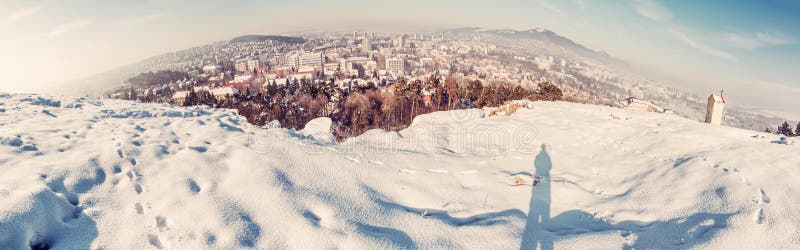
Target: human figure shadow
[[541, 229], [535, 233]]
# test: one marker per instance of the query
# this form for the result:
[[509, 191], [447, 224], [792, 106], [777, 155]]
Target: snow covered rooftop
[[180, 94], [717, 98], [221, 91]]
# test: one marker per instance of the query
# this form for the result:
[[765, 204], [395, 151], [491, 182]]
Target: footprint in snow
[[763, 196], [139, 208], [199, 149], [154, 241], [131, 175], [193, 186], [312, 217], [139, 128], [161, 223], [116, 169], [758, 216]]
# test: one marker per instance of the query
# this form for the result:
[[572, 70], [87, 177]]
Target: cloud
[[774, 39], [142, 19], [682, 37], [68, 27], [652, 10], [657, 12], [23, 13], [580, 4], [550, 7], [755, 41], [742, 41]]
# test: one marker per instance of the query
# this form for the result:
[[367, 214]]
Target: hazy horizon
[[748, 49]]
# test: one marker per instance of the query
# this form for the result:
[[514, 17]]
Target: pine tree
[[549, 92], [797, 130], [785, 129]]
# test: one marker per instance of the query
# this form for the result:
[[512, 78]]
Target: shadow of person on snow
[[541, 230], [535, 233]]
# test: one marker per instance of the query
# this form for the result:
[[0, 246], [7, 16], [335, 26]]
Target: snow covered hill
[[79, 173]]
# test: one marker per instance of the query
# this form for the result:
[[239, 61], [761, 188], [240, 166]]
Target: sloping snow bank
[[319, 129], [121, 175]]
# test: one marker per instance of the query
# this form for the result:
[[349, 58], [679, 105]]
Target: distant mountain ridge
[[549, 42], [100, 83], [543, 36]]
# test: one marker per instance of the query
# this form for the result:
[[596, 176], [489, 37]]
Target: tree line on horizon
[[785, 129], [354, 109]]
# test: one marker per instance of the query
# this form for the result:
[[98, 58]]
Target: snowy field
[[81, 173]]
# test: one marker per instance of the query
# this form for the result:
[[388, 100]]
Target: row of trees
[[356, 109], [147, 79], [786, 130]]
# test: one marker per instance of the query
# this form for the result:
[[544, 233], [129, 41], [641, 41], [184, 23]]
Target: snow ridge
[[95, 173]]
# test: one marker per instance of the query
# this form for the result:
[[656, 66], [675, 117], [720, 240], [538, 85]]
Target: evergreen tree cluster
[[355, 109], [786, 130]]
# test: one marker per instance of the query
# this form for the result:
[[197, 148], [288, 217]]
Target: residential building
[[241, 66], [212, 69], [179, 97], [395, 65], [253, 64]]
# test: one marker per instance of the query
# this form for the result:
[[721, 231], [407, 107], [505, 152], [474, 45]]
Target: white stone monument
[[715, 111]]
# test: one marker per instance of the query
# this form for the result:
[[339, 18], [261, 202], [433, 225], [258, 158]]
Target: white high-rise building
[[395, 65], [311, 58], [366, 45], [402, 41], [241, 66], [253, 64], [298, 59]]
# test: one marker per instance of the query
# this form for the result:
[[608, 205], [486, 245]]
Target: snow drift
[[91, 173]]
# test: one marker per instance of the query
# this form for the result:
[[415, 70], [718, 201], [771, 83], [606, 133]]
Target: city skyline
[[746, 48]]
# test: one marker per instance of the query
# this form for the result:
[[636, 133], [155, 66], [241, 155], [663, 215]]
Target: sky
[[748, 48]]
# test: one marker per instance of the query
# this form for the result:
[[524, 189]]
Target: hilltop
[[99, 173], [548, 42]]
